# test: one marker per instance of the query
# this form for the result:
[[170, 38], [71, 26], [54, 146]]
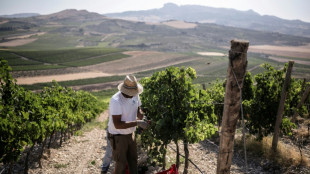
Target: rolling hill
[[221, 16], [80, 28], [69, 41]]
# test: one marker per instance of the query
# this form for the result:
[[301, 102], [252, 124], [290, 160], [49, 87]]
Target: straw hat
[[130, 86]]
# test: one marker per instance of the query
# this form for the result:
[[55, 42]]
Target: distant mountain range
[[20, 15], [79, 28], [221, 16]]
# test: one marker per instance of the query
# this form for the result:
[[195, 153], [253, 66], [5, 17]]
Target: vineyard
[[190, 115], [29, 118], [179, 111], [207, 111]]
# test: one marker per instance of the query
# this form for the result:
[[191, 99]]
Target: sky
[[286, 9]]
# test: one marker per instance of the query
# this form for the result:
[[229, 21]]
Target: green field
[[23, 60], [66, 55]]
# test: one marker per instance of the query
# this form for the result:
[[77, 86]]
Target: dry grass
[[301, 133], [286, 154]]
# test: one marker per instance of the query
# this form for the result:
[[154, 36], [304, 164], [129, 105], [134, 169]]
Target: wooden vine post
[[285, 86], [236, 70]]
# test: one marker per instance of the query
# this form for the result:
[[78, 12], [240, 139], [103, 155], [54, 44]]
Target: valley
[[93, 52]]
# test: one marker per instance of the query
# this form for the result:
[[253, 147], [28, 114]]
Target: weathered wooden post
[[236, 70], [281, 106]]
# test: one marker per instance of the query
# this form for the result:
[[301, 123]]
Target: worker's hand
[[143, 124]]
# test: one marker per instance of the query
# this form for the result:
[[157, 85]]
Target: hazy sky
[[287, 9]]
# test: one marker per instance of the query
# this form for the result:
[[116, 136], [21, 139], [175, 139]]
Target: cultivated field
[[95, 68], [137, 62], [286, 51], [17, 42], [210, 65]]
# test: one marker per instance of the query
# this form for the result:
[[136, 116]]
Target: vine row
[[28, 118]]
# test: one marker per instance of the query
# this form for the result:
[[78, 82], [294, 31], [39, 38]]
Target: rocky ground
[[83, 155]]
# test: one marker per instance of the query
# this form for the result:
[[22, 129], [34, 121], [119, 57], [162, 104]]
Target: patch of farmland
[[17, 42], [139, 61], [63, 77], [66, 55], [25, 36], [288, 51], [3, 22], [284, 60]]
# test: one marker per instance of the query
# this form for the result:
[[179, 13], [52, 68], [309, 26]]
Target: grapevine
[[28, 118], [177, 111]]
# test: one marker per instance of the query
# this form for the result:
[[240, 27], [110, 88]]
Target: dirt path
[[79, 155], [83, 155]]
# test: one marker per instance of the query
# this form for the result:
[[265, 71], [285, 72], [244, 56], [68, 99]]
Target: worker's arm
[[119, 124], [140, 114]]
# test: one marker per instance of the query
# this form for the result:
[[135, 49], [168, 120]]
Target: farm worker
[[124, 110]]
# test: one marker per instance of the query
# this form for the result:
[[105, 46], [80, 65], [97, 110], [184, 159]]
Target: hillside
[[69, 41], [71, 15], [80, 28], [221, 16]]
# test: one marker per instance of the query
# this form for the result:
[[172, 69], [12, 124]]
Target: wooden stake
[[281, 106], [237, 66]]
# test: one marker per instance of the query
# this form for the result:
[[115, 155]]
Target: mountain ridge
[[80, 28], [222, 16], [72, 13]]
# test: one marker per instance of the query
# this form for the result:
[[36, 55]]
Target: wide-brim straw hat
[[130, 86]]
